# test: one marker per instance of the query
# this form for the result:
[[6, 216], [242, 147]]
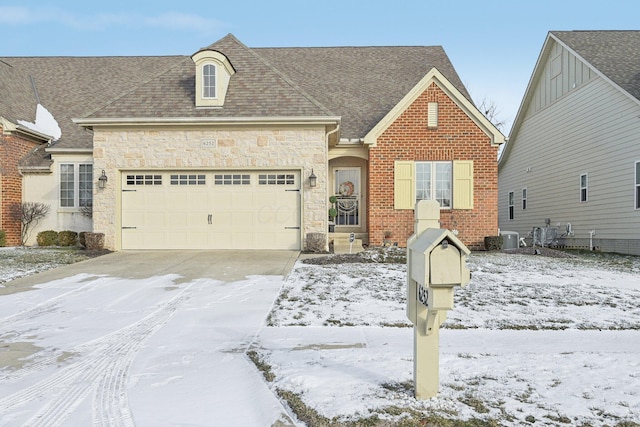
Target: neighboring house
[[18, 137], [572, 164], [222, 149]]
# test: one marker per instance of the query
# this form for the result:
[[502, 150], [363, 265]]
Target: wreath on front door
[[346, 188]]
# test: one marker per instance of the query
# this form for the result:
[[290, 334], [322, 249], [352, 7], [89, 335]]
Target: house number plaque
[[423, 294], [209, 143]]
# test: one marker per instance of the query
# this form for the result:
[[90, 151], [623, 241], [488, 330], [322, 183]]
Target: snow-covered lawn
[[532, 340], [24, 261]]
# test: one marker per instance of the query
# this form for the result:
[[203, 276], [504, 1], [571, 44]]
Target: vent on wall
[[432, 115]]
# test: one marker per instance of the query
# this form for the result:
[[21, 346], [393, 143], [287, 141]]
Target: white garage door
[[211, 210]]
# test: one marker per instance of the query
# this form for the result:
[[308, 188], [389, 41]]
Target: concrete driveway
[[224, 265], [141, 338]]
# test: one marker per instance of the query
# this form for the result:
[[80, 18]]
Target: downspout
[[331, 133], [326, 208], [328, 134]]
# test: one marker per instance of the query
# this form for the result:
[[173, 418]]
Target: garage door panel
[[217, 214]]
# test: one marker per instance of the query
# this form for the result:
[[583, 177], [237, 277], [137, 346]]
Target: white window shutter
[[432, 115], [404, 186]]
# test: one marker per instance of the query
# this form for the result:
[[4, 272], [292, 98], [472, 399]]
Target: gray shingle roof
[[614, 53], [360, 84], [256, 90], [74, 86], [18, 99]]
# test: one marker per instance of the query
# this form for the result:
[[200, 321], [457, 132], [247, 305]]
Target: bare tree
[[491, 112], [87, 210], [28, 213]]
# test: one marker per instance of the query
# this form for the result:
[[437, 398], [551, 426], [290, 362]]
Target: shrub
[[94, 241], [493, 243], [29, 214], [47, 238], [67, 238], [3, 238], [81, 238]]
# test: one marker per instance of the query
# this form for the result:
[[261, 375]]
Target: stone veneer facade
[[173, 148], [456, 137]]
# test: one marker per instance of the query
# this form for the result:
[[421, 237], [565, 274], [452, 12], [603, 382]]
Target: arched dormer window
[[209, 81], [213, 73]]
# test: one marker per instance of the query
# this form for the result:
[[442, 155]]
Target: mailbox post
[[436, 264]]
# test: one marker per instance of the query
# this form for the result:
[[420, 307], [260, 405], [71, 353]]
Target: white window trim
[[215, 80], [585, 188], [433, 182], [510, 205], [636, 187], [223, 69], [76, 185], [525, 196]]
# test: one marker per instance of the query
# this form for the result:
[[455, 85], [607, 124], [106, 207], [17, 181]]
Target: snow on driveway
[[110, 351]]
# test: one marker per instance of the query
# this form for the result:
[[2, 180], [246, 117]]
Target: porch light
[[102, 181], [313, 179]]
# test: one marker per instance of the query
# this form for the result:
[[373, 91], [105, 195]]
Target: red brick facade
[[457, 137], [12, 149]]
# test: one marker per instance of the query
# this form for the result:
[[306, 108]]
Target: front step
[[341, 245]]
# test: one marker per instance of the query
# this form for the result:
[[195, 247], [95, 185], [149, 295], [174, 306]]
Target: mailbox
[[436, 265]]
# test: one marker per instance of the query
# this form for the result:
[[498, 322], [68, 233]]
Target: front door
[[348, 193]]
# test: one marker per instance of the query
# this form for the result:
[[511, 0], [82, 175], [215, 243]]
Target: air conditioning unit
[[510, 240]]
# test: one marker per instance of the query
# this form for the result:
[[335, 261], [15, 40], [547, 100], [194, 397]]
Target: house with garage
[[242, 148], [570, 172]]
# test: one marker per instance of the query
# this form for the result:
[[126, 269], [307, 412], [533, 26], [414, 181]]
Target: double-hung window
[[76, 185], [638, 185], [524, 199], [584, 185], [448, 183], [434, 182], [511, 205]]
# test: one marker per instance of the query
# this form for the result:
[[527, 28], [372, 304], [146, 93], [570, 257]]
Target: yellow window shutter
[[463, 184], [404, 188]]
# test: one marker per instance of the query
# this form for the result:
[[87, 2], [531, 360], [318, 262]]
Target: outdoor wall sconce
[[102, 181], [313, 179]]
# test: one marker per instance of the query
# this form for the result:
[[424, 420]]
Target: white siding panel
[[596, 130]]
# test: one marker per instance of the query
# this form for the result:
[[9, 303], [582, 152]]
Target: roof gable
[[615, 54], [436, 77], [612, 55]]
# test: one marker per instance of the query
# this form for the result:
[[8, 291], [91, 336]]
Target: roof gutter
[[59, 150], [23, 130], [206, 121]]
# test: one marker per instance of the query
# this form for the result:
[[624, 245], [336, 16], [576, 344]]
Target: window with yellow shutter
[[450, 183]]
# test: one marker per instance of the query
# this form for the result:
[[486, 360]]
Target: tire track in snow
[[102, 367], [46, 306]]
